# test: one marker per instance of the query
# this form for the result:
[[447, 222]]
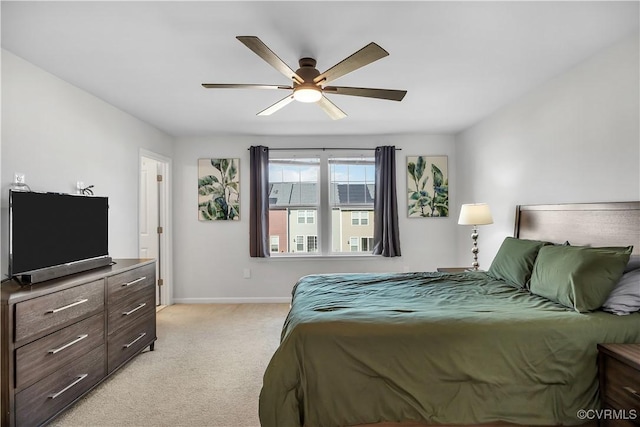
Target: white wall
[[210, 256], [57, 134], [575, 139]]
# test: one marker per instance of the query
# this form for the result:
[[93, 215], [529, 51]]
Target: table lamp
[[475, 214]]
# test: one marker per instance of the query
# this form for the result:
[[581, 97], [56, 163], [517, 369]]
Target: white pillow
[[634, 262], [625, 297]]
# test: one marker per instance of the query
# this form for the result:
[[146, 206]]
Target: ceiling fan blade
[[242, 86], [275, 107], [330, 108], [368, 54], [261, 49], [390, 94]]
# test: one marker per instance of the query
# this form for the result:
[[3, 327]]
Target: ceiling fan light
[[306, 94]]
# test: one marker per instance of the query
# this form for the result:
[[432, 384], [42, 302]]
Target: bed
[[472, 348]]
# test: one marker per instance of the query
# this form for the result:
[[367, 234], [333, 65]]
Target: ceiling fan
[[309, 85]]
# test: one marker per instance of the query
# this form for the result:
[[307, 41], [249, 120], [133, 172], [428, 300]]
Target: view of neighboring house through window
[[321, 203], [294, 202], [352, 189]]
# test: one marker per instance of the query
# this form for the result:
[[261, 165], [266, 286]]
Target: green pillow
[[514, 261], [578, 277]]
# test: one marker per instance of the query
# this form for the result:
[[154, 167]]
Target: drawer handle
[[69, 344], [135, 341], [73, 304], [134, 282], [632, 391], [126, 313], [77, 380]]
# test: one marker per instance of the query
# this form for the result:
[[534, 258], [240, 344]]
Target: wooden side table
[[619, 374]]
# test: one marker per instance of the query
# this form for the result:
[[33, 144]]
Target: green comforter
[[431, 347]]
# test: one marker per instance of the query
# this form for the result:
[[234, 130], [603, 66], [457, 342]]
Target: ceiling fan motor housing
[[307, 70]]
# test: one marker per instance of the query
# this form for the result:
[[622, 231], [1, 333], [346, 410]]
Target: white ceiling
[[459, 61]]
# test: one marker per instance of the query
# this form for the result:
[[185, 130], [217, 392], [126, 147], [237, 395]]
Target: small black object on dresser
[[62, 337]]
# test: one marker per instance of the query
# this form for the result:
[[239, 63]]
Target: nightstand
[[619, 374], [452, 269]]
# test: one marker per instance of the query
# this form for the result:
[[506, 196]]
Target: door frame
[[166, 239]]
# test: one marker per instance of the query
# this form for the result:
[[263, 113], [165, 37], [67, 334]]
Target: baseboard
[[239, 300]]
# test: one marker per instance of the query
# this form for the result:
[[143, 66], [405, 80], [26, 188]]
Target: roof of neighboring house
[[283, 194]]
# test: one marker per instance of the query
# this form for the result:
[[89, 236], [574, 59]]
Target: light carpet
[[206, 370]]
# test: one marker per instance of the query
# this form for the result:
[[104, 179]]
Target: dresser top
[[626, 353], [13, 292]]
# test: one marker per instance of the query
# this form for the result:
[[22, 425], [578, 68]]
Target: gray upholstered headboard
[[581, 224]]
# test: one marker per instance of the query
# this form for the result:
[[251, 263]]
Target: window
[[359, 218], [353, 244], [306, 243], [318, 202], [364, 218], [306, 217], [360, 244], [352, 189], [312, 243], [294, 201], [366, 243], [275, 243]]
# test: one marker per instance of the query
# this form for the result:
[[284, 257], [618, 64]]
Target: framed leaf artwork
[[427, 186], [219, 189]]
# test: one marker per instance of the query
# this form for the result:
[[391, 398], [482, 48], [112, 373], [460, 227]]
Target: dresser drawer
[[47, 397], [46, 355], [622, 386], [49, 312], [120, 285], [132, 306], [130, 340]]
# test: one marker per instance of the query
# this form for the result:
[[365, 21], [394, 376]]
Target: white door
[[149, 214]]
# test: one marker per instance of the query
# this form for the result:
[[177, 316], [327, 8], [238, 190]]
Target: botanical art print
[[218, 189], [427, 186]]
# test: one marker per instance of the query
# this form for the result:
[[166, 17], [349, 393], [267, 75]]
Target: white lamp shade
[[475, 214]]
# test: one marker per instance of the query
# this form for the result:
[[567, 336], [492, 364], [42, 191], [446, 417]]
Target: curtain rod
[[323, 149]]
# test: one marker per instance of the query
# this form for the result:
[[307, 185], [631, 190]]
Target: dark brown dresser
[[62, 337], [619, 369]]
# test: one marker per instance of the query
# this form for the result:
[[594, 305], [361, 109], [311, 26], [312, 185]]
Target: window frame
[[323, 212]]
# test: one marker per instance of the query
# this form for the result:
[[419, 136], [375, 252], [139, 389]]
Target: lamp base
[[474, 249]]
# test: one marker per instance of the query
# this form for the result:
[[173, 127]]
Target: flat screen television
[[53, 235]]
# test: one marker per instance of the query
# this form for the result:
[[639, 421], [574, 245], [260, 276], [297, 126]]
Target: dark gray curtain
[[386, 234], [259, 203]]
